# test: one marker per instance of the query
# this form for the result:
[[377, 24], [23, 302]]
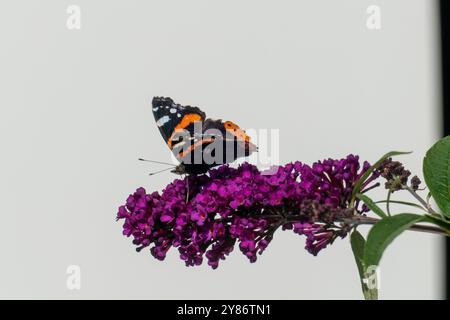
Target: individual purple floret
[[244, 206]]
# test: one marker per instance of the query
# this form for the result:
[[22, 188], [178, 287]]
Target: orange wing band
[[195, 145], [184, 123]]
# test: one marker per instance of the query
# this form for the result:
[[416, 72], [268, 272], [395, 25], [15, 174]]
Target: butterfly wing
[[236, 143], [189, 134], [219, 143], [171, 118]]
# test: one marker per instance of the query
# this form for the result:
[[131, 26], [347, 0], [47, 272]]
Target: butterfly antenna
[[156, 172], [159, 162]]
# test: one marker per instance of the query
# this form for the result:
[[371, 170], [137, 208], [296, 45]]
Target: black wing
[[170, 116]]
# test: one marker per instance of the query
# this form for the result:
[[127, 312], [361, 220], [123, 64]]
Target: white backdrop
[[75, 115]]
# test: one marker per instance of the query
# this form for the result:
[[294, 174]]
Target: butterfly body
[[198, 143]]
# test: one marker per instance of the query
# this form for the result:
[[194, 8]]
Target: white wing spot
[[155, 108], [162, 121], [178, 115], [173, 110]]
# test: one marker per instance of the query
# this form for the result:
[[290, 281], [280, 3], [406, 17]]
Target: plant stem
[[388, 202], [422, 202], [354, 221], [414, 227]]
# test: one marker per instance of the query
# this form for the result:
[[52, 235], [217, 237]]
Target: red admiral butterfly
[[198, 143]]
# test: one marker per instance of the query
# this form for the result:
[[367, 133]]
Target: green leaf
[[372, 205], [445, 225], [363, 178], [383, 233], [357, 242], [436, 171]]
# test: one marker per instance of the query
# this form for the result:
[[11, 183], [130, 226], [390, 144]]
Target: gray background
[[75, 115]]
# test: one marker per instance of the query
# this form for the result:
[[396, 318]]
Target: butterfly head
[[179, 169]]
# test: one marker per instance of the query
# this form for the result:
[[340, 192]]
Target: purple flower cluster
[[245, 206]]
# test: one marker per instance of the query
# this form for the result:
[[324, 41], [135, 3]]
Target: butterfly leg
[[187, 188]]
